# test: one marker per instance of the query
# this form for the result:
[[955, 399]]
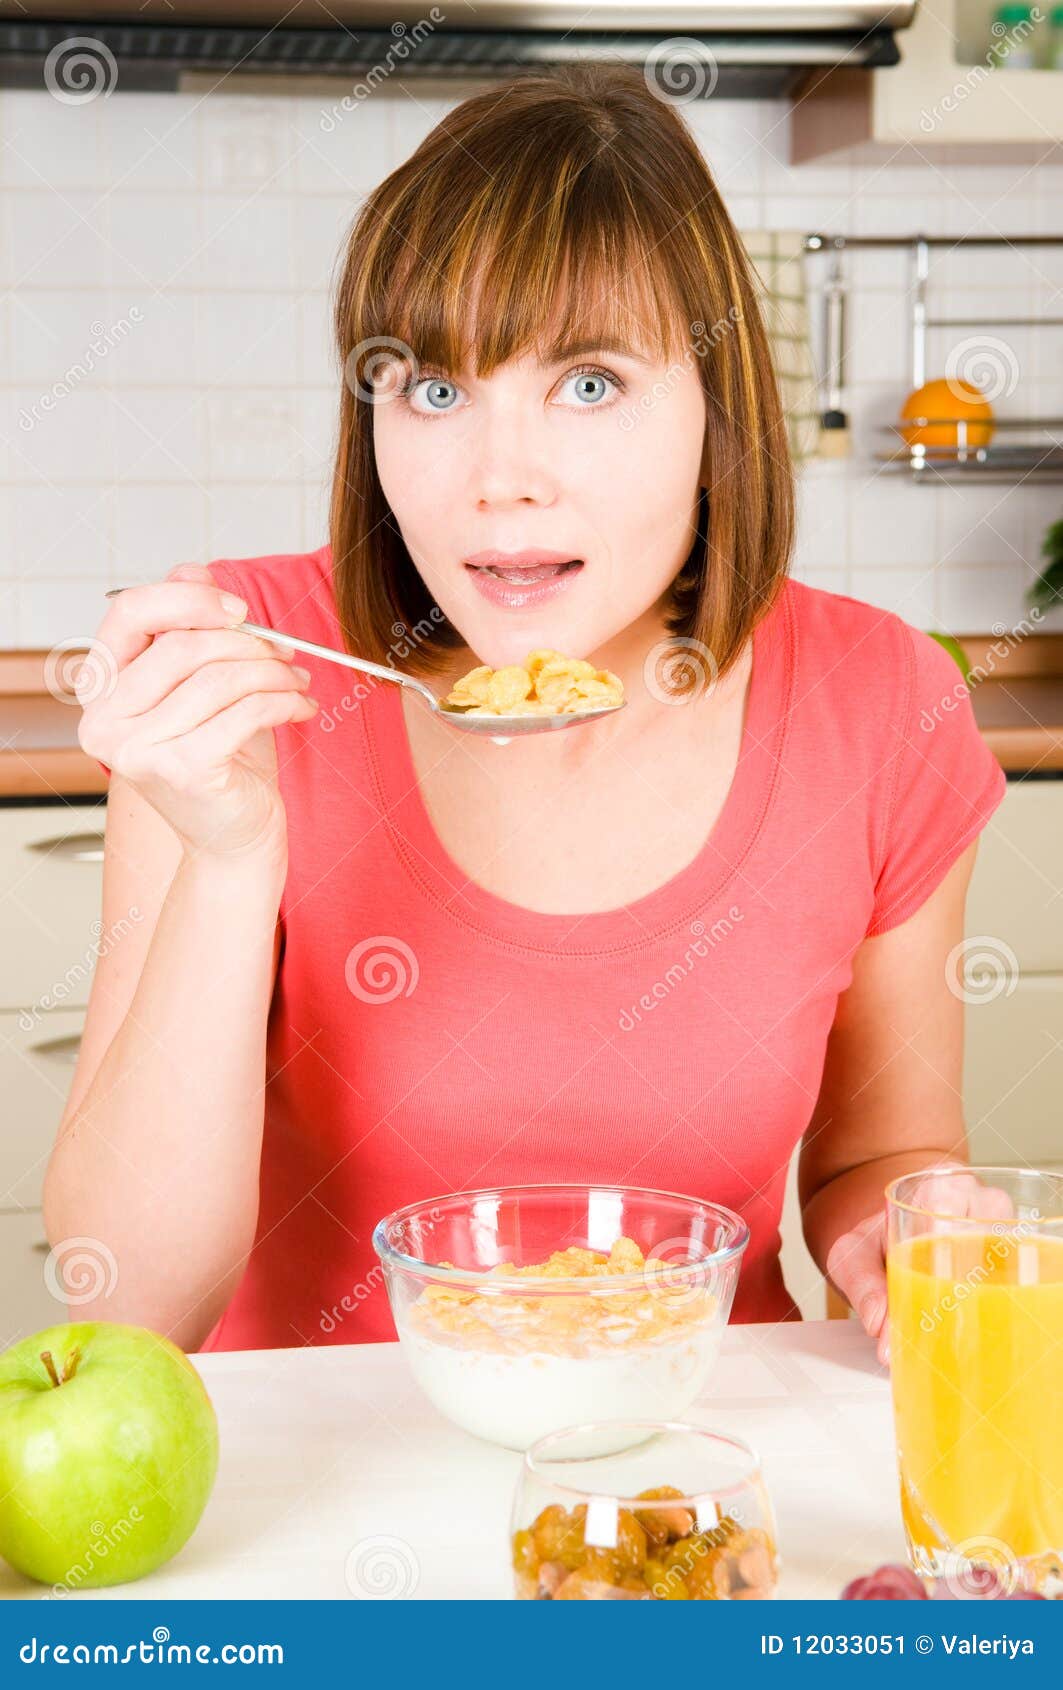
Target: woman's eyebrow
[[580, 348]]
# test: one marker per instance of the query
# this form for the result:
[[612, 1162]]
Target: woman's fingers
[[211, 689], [960, 1193], [173, 658], [203, 757], [135, 617], [857, 1266]]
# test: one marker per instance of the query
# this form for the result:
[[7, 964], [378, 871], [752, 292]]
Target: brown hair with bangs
[[582, 192]]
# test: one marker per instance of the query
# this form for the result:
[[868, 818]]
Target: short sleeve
[[944, 784]]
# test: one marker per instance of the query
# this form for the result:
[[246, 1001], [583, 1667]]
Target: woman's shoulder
[[285, 590], [871, 661]]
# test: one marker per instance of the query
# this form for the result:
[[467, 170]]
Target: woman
[[376, 959]]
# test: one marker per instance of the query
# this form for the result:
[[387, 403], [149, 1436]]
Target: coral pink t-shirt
[[427, 1036]]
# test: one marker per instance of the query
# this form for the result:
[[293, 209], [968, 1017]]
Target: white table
[[331, 1460]]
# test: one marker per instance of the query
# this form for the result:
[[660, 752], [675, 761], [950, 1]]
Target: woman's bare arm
[[157, 1157], [891, 1100]]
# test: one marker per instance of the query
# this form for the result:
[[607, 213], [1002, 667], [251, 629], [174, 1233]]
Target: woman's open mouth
[[518, 579]]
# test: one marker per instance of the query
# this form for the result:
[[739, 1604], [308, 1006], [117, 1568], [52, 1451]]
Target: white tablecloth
[[332, 1461]]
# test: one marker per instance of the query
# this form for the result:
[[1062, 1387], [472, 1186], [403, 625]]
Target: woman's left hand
[[856, 1264]]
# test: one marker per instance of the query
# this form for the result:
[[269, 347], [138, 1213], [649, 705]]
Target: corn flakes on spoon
[[551, 692]]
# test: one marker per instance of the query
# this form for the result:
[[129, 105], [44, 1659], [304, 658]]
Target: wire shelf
[[1037, 453]]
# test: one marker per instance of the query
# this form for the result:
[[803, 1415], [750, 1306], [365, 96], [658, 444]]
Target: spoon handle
[[330, 653], [343, 658]]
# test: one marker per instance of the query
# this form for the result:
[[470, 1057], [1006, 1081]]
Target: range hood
[[725, 48]]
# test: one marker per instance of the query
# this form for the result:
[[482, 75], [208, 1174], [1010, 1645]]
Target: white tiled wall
[[199, 235]]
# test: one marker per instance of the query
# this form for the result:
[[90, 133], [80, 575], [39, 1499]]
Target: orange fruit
[[943, 399]]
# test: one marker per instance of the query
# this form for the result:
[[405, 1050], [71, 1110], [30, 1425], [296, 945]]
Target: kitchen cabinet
[[51, 866], [1013, 1068], [36, 1066], [51, 870], [27, 1304], [1013, 1053], [951, 88]]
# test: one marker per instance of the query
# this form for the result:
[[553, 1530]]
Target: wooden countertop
[[1018, 703], [39, 752]]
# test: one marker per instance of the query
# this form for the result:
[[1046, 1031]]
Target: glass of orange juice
[[975, 1274]]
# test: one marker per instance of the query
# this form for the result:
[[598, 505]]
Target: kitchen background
[[196, 234], [169, 392]]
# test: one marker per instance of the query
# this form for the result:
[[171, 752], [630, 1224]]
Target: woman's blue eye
[[437, 394], [590, 387]]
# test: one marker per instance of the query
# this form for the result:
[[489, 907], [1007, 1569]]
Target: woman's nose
[[508, 468]]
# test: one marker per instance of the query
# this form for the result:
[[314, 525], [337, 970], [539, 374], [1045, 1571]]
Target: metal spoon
[[496, 727]]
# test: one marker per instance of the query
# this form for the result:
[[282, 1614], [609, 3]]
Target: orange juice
[[976, 1356]]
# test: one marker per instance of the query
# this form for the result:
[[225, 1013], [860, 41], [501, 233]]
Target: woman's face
[[593, 461]]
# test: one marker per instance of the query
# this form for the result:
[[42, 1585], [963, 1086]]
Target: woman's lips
[[514, 586]]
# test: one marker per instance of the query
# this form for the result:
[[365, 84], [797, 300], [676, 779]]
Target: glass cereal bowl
[[528, 1308], [683, 1514]]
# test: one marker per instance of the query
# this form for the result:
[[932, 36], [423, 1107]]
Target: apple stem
[[72, 1365], [46, 1357]]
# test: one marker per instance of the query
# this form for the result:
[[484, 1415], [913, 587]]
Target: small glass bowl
[[511, 1356], [682, 1514]]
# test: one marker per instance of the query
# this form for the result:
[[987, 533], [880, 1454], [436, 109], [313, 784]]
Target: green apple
[[108, 1451]]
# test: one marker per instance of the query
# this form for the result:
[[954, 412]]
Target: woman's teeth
[[527, 577]]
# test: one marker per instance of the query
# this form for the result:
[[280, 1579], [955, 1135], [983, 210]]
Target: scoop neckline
[[669, 908]]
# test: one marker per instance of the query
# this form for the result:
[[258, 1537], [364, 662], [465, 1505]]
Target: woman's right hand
[[187, 711]]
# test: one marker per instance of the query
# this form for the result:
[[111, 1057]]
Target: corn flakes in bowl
[[527, 1308]]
